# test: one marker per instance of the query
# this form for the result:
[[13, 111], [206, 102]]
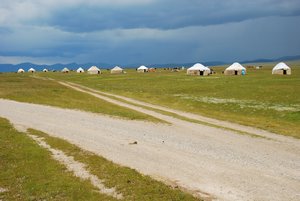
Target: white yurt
[[21, 70], [198, 69], [80, 70], [117, 70], [142, 69], [45, 70], [31, 70], [94, 70], [235, 69], [65, 70], [282, 69]]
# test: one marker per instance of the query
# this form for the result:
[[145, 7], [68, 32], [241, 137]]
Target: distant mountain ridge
[[74, 66], [286, 58]]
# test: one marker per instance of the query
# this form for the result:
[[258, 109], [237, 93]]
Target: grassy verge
[[259, 99], [27, 89], [174, 115], [28, 172], [130, 183]]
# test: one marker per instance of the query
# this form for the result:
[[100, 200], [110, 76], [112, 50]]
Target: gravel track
[[205, 160], [138, 106]]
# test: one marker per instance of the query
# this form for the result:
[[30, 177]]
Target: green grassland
[[259, 99], [28, 172], [24, 88]]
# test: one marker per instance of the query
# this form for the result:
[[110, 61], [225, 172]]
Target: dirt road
[[140, 107], [223, 164]]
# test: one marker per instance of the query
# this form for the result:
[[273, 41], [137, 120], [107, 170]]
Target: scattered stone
[[135, 142], [3, 190]]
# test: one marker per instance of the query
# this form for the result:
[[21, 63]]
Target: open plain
[[186, 134]]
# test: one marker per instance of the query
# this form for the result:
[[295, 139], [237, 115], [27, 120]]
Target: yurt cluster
[[197, 69], [236, 69], [91, 70]]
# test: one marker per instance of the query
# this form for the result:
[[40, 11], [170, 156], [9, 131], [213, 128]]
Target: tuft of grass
[[24, 88], [133, 185]]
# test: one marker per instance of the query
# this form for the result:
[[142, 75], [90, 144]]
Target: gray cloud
[[93, 15], [149, 31], [168, 14]]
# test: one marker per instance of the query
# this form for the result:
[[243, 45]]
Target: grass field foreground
[[259, 99], [28, 172]]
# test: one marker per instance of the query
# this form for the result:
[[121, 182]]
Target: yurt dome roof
[[281, 66], [236, 66]]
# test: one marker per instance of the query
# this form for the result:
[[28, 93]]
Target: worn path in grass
[[140, 107], [199, 158]]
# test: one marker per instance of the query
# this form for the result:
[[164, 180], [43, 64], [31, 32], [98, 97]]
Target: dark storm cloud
[[168, 14], [150, 31]]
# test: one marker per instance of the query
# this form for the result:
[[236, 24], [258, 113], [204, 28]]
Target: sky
[[147, 31]]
